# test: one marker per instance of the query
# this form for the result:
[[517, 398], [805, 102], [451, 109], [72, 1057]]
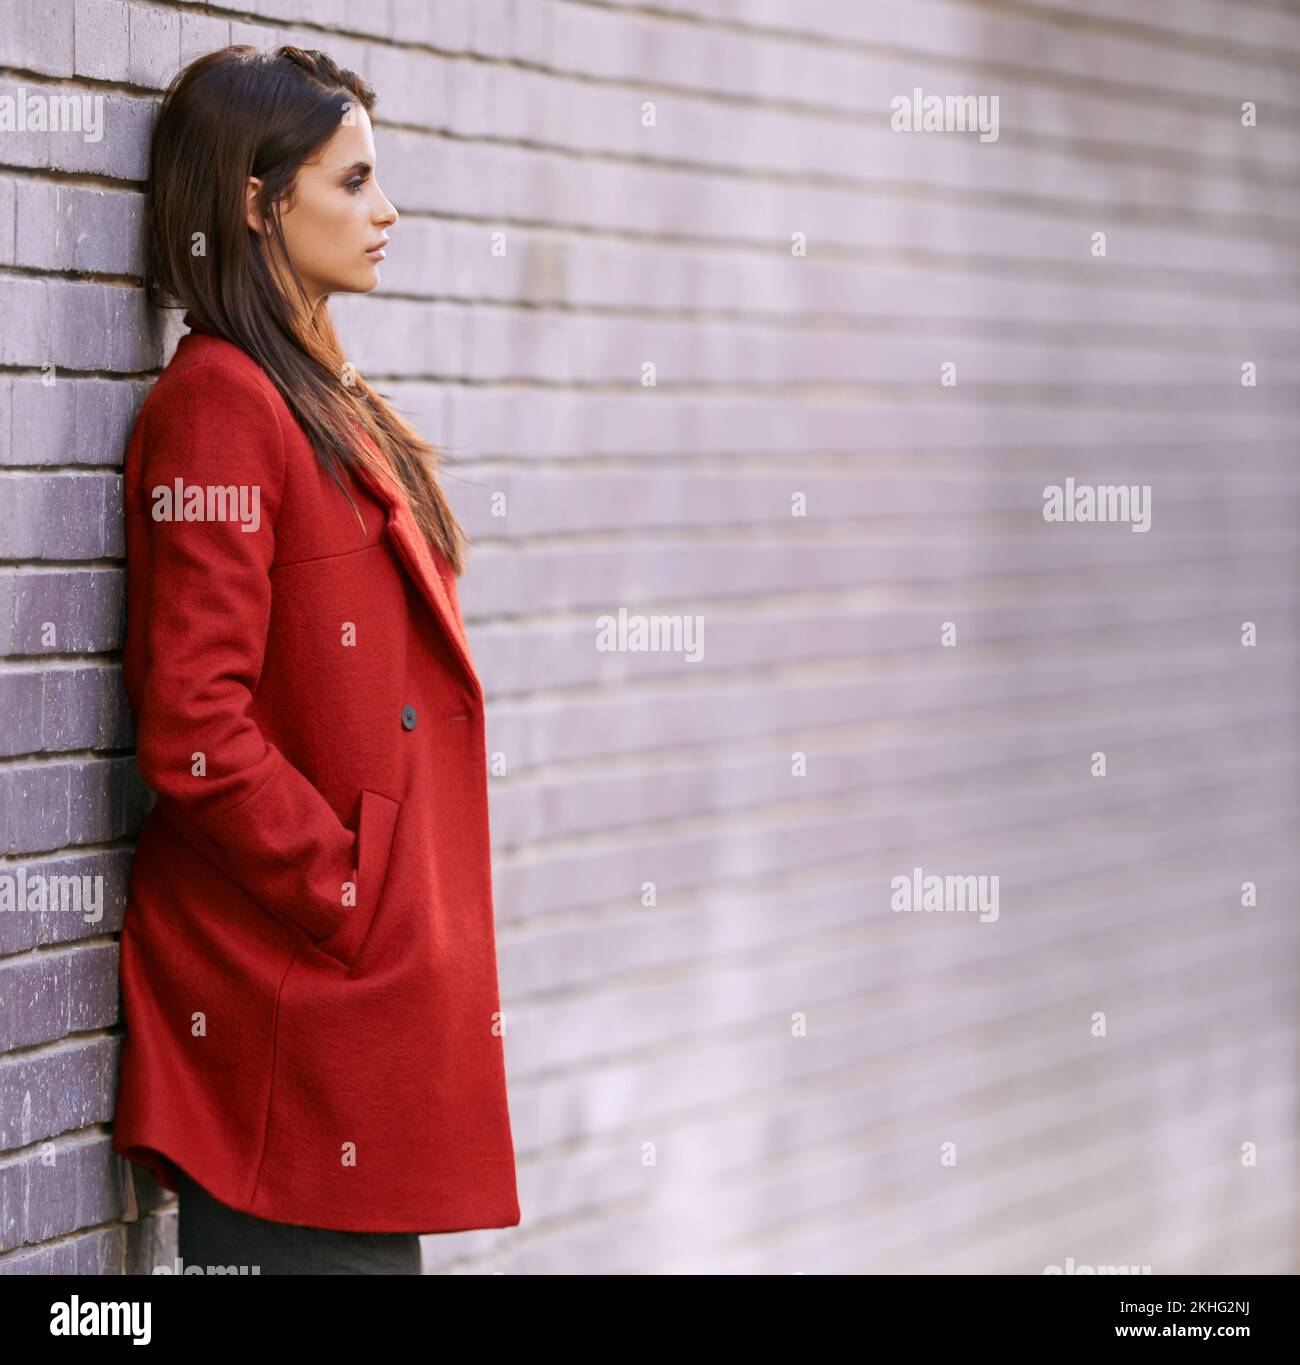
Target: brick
[[57, 1089], [21, 701], [155, 45], [25, 338], [7, 221], [6, 419], [21, 931], [41, 1001], [55, 516], [103, 1251], [80, 709], [8, 593], [75, 227], [120, 150], [57, 804], [202, 33], [81, 610], [325, 13], [44, 1199], [254, 35], [100, 327], [103, 39], [445, 26], [412, 87], [37, 36], [71, 420], [75, 127]]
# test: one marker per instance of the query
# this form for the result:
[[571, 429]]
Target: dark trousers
[[210, 1233]]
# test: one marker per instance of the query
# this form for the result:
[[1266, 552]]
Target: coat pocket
[[375, 832]]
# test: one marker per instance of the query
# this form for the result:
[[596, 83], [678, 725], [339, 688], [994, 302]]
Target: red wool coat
[[308, 962]]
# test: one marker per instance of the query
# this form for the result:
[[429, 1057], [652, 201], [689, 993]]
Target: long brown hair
[[241, 112]]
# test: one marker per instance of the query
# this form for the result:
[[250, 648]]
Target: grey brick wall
[[763, 1070]]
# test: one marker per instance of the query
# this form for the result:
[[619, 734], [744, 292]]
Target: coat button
[[408, 717]]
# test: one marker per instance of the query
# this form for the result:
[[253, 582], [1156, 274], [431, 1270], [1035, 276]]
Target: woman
[[312, 1056]]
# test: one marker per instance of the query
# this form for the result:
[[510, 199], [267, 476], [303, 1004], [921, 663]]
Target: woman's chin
[[365, 279]]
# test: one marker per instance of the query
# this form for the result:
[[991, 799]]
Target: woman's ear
[[250, 205]]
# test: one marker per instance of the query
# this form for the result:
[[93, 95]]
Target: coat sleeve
[[230, 792]]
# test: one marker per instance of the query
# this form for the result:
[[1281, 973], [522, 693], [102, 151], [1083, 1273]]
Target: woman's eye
[[354, 185]]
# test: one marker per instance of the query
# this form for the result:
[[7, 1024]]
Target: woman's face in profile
[[337, 215]]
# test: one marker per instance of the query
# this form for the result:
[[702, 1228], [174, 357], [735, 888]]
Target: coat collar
[[424, 562]]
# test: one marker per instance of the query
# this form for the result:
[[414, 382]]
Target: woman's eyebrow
[[362, 166]]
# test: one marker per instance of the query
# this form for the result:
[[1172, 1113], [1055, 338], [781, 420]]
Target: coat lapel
[[418, 558]]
